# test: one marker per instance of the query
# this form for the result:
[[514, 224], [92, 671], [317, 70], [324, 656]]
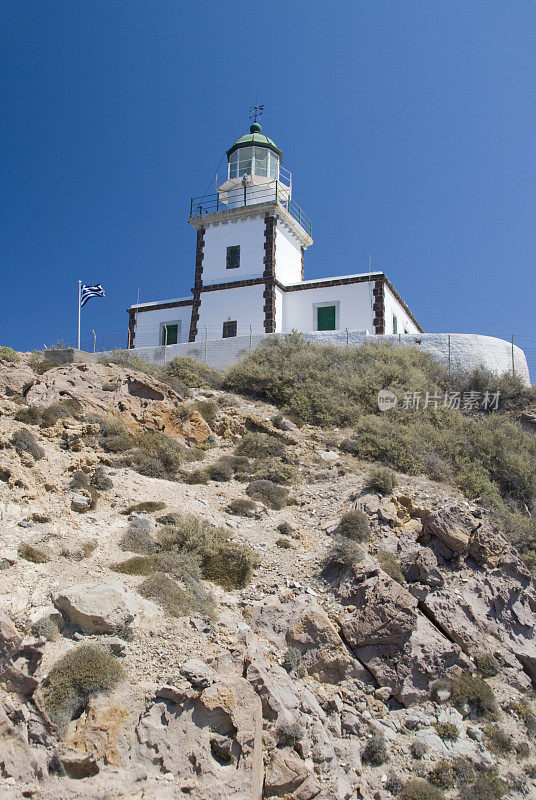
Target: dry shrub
[[343, 554], [260, 445], [389, 563], [382, 479], [269, 493], [137, 538], [467, 687], [196, 476], [487, 665], [30, 553], [289, 734], [497, 740], [148, 506], [175, 600], [447, 730], [222, 470], [82, 672], [375, 750], [242, 507], [208, 409], [419, 789], [193, 374], [355, 525], [24, 441], [8, 354]]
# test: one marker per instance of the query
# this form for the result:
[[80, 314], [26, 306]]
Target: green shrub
[[497, 740], [289, 734], [375, 751], [224, 562], [209, 411], [193, 374], [487, 665], [472, 689], [388, 562], [382, 479], [149, 506], [196, 476], [176, 601], [222, 470], [419, 789], [273, 469], [447, 730], [355, 525], [242, 507], [8, 354], [82, 672], [33, 554], [269, 493], [24, 441], [260, 445]]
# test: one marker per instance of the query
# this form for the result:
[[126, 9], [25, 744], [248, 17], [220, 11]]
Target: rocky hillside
[[199, 599]]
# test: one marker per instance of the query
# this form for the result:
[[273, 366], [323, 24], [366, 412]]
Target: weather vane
[[255, 112]]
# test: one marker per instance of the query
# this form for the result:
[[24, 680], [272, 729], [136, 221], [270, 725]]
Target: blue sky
[[409, 127]]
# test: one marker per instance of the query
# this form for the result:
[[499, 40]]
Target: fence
[[514, 355]]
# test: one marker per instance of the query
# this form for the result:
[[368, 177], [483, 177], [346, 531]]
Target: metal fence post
[[94, 340], [165, 342], [206, 342], [347, 339], [250, 332]]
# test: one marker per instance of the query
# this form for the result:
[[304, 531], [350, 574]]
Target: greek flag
[[87, 292]]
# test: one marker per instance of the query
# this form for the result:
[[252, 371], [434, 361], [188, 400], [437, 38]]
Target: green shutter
[[172, 334], [326, 318]]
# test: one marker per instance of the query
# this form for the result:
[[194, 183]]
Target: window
[[229, 329], [233, 256], [170, 333], [395, 324], [326, 317], [254, 161]]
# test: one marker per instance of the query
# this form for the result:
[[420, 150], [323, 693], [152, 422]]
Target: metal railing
[[250, 195]]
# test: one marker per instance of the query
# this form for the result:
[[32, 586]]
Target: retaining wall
[[467, 350]]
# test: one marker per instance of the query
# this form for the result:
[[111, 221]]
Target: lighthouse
[[249, 273]]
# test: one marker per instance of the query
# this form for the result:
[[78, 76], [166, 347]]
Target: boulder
[[303, 624], [453, 526], [199, 674], [272, 683], [99, 607], [211, 741], [285, 771]]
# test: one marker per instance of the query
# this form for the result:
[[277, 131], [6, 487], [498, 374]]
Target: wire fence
[[155, 336]]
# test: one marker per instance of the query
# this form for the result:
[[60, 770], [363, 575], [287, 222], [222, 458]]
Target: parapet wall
[[466, 350]]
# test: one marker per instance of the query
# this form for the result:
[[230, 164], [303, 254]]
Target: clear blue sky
[[409, 126]]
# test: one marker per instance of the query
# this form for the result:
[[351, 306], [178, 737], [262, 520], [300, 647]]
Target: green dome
[[255, 137]]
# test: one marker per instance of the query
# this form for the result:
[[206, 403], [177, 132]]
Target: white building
[[249, 266]]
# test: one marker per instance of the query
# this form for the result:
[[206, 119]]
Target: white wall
[[244, 304], [148, 324], [287, 256], [354, 307], [392, 306], [249, 234], [279, 301]]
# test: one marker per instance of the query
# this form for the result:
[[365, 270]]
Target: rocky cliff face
[[406, 668]]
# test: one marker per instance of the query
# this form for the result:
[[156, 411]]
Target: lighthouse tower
[[251, 237]]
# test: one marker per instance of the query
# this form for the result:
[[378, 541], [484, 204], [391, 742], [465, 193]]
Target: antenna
[[255, 112]]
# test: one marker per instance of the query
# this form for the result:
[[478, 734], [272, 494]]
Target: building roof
[[255, 137]]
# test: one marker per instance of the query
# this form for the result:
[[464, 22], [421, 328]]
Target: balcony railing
[[250, 195]]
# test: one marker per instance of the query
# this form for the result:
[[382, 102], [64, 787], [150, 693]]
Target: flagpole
[[79, 300]]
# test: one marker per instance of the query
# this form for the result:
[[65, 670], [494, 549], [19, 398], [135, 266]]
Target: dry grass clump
[[269, 493], [382, 479], [49, 415], [148, 506], [375, 751], [137, 538], [82, 672], [24, 441], [242, 507], [30, 553], [447, 730], [389, 563], [355, 525], [467, 687], [343, 554], [419, 789], [175, 600]]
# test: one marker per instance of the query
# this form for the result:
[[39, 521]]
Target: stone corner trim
[[198, 283], [270, 224], [379, 307]]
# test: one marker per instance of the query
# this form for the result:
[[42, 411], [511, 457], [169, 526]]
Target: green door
[[326, 318], [170, 334]]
